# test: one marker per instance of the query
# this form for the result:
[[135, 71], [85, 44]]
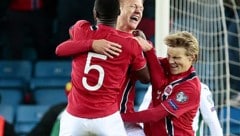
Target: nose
[[170, 60], [139, 9]]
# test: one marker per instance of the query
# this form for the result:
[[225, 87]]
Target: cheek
[[186, 65]]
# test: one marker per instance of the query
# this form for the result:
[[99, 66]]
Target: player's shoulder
[[192, 79], [79, 28], [205, 89], [203, 84], [124, 34], [125, 38], [190, 85], [131, 40], [81, 24]]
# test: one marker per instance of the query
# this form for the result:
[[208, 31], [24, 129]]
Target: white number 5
[[89, 67]]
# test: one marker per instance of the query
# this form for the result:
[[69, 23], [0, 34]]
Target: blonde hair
[[185, 40]]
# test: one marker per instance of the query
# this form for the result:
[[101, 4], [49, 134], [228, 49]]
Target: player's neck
[[106, 22]]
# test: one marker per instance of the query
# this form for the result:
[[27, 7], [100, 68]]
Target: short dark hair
[[107, 9]]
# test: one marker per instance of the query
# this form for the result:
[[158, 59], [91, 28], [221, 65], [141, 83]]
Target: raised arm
[[70, 47], [78, 43], [102, 46], [155, 68], [157, 73]]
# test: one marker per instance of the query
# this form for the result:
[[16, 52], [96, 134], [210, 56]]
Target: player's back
[[96, 79]]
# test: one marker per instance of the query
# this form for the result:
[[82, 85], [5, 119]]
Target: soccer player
[[206, 114], [128, 20], [97, 80], [176, 88]]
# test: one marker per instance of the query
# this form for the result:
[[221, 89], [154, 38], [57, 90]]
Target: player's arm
[[110, 49], [143, 75], [77, 39], [156, 70], [139, 64], [78, 43], [102, 46], [209, 113], [70, 47], [154, 65], [149, 115]]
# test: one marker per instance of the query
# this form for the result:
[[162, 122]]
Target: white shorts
[[111, 125], [134, 129]]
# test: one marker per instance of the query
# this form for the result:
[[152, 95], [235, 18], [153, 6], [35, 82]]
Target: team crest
[[181, 97], [168, 90]]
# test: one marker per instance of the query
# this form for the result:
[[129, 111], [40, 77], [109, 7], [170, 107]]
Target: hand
[[141, 38], [107, 48], [139, 33]]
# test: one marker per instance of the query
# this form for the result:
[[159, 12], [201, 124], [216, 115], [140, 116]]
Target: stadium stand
[[27, 116], [12, 97], [50, 78], [8, 112]]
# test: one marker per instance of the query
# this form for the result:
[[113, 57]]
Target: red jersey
[[127, 97], [182, 101], [97, 80], [127, 94], [2, 125], [175, 101]]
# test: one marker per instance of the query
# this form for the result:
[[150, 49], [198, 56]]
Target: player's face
[[131, 15], [178, 60]]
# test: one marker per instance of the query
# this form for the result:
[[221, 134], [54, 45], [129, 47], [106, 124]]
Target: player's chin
[[133, 25]]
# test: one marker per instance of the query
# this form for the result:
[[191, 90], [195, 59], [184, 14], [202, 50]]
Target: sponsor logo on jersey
[[212, 109], [172, 104]]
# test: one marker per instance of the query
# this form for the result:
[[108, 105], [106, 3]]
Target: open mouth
[[135, 18]]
